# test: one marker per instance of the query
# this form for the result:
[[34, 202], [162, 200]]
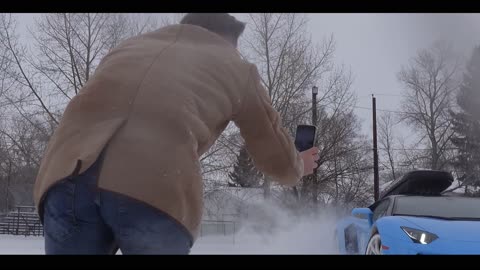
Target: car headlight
[[419, 236]]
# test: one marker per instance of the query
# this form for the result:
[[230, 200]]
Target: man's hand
[[309, 157]]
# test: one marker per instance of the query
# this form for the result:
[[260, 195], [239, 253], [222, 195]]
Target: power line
[[365, 108], [414, 149], [378, 94], [407, 149], [388, 95], [390, 111]]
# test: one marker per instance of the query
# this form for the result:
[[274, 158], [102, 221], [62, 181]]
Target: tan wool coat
[[160, 100]]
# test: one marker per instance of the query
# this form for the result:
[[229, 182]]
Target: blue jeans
[[81, 219]]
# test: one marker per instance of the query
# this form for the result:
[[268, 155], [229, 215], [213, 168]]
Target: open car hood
[[420, 182]]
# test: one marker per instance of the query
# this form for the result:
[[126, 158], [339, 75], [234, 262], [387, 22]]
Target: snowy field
[[301, 237]]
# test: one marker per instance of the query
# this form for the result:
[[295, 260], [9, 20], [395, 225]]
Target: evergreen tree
[[466, 125], [244, 172]]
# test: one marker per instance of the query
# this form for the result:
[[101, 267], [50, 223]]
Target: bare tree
[[21, 148], [354, 189], [5, 63], [287, 59], [387, 143], [218, 161], [136, 24], [19, 71], [37, 80], [170, 18], [430, 84], [340, 145], [71, 45], [290, 63], [5, 176], [66, 50]]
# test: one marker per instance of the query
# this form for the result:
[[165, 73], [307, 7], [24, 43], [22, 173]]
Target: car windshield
[[438, 207]]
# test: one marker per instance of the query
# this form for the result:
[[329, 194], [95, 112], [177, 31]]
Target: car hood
[[460, 230]]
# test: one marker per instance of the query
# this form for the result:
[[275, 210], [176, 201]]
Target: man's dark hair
[[219, 23]]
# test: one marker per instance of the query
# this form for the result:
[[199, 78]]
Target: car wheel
[[374, 246]]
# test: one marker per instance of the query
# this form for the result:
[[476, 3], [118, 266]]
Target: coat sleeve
[[267, 141]]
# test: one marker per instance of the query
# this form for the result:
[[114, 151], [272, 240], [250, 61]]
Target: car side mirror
[[363, 213]]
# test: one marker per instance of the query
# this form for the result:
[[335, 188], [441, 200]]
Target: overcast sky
[[375, 46]]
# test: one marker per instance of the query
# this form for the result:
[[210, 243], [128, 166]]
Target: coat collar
[[194, 34]]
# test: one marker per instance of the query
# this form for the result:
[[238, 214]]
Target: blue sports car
[[414, 217]]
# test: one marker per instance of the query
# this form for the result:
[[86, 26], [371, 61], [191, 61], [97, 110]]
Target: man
[[122, 169]]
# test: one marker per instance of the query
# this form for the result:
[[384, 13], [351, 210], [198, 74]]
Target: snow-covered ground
[[313, 236], [10, 244]]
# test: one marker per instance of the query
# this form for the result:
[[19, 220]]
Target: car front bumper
[[437, 247]]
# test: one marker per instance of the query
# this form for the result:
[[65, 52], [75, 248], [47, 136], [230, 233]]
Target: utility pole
[[7, 195], [375, 151], [314, 123]]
